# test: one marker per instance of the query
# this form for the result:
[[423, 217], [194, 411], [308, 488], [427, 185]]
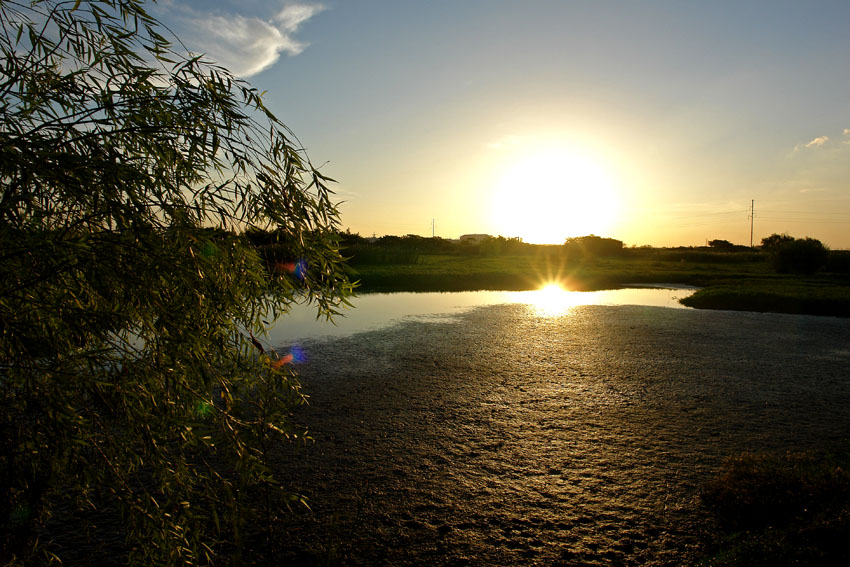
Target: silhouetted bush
[[775, 240], [721, 245], [838, 262], [800, 256], [593, 245]]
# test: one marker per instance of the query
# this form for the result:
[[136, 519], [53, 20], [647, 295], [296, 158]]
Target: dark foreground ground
[[507, 439]]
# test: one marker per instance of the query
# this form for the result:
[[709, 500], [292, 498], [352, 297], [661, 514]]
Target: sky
[[662, 123]]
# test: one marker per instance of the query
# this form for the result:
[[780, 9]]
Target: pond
[[539, 433], [378, 310]]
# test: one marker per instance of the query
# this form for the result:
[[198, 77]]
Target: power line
[[690, 224], [798, 219], [806, 212], [739, 212]]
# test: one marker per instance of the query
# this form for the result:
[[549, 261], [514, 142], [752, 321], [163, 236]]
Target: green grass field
[[730, 280]]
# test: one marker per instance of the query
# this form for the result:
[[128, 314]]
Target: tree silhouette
[[774, 241], [799, 255]]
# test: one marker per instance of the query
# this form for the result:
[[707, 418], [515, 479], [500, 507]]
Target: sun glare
[[552, 300], [547, 196]]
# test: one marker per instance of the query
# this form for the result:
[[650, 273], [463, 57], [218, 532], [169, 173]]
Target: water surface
[[374, 311], [504, 436]]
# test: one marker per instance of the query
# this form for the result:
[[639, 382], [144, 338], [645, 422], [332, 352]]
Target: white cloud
[[294, 15], [816, 143], [246, 45]]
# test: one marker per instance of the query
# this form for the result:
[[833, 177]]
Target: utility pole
[[752, 218], [432, 227]]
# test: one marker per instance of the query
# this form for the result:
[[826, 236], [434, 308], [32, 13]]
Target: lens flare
[[294, 356], [297, 269], [297, 354]]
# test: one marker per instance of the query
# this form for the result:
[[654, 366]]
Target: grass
[[809, 296], [530, 271], [779, 510], [737, 281]]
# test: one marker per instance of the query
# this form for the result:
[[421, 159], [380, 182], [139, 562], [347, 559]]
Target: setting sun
[[549, 195]]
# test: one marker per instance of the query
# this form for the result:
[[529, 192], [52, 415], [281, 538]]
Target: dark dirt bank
[[503, 438]]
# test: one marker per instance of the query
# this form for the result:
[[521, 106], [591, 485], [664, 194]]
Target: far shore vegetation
[[783, 274]]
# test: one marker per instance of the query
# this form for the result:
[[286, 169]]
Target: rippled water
[[507, 436]]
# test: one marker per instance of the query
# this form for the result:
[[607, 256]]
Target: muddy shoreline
[[504, 438]]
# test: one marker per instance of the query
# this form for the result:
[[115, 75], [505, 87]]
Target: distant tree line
[[790, 255], [408, 249], [391, 249], [787, 254]]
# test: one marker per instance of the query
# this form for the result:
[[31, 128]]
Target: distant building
[[474, 238]]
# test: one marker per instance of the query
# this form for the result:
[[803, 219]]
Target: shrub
[[775, 240], [800, 256], [592, 245], [721, 245], [838, 262]]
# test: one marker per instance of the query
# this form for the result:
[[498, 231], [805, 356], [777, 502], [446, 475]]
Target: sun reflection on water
[[379, 310], [552, 300]]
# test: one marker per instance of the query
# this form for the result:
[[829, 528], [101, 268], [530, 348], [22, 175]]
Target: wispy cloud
[[293, 15], [244, 44], [816, 143]]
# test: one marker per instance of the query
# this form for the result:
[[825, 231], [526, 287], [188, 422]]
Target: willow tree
[[131, 374]]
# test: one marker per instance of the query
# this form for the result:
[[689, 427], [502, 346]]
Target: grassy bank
[[777, 510], [811, 296], [435, 272], [730, 280]]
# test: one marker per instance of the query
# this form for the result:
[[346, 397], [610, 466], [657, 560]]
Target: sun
[[548, 195]]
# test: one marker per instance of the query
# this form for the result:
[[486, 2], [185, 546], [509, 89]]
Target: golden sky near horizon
[[653, 122]]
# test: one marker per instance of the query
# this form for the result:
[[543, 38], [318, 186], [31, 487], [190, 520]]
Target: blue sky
[[652, 122]]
